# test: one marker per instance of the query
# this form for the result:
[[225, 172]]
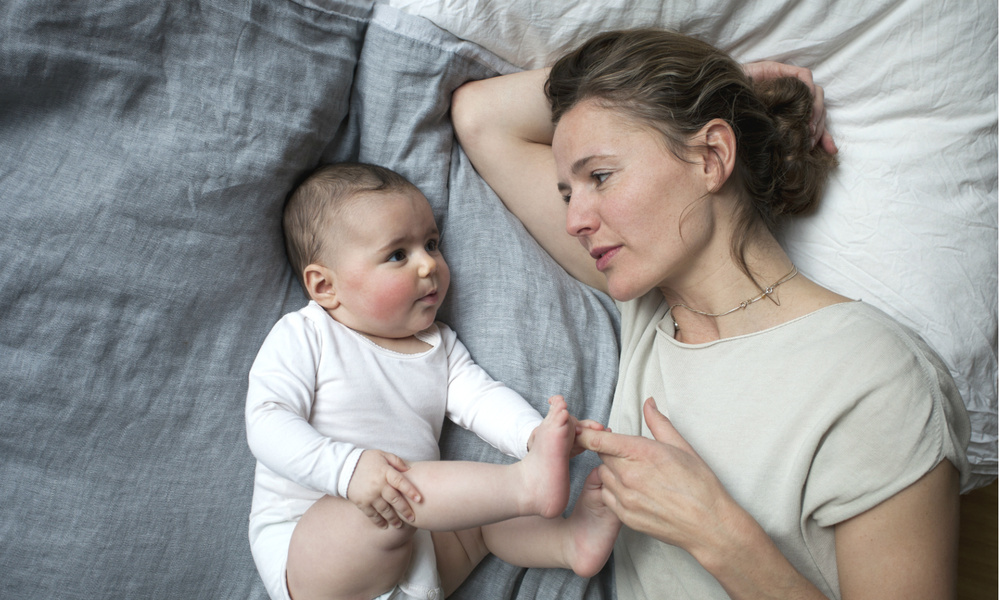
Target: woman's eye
[[396, 256], [601, 176]]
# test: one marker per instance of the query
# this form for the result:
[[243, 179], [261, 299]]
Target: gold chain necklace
[[742, 305]]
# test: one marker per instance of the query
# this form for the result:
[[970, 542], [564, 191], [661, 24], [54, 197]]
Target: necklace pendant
[[767, 293]]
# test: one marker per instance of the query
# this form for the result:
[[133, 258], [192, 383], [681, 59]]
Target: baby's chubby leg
[[335, 544], [334, 548], [460, 495], [582, 542]]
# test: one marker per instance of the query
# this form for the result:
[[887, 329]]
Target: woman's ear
[[719, 153], [320, 286]]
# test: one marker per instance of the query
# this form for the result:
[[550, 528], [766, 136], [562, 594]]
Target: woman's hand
[[379, 488], [660, 487], [578, 447], [769, 69], [577, 425]]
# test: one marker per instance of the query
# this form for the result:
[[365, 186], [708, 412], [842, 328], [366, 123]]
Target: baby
[[346, 402]]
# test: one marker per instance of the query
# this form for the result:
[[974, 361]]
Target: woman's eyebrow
[[581, 163]]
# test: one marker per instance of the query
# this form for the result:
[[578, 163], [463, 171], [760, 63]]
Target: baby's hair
[[314, 205], [677, 84]]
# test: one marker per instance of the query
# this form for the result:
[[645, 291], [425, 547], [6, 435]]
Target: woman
[[814, 447]]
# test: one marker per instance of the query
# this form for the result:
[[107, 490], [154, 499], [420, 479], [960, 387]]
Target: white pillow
[[909, 221]]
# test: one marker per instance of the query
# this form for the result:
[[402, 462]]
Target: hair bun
[[800, 166]]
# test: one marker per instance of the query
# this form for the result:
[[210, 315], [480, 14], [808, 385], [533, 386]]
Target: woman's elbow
[[468, 114]]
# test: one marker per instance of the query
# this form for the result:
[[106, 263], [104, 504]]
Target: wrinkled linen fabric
[[146, 150]]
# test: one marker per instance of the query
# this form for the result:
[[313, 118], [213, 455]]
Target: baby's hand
[[379, 488]]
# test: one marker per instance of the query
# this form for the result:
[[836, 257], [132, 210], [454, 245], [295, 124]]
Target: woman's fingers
[[619, 445], [769, 69], [661, 427], [606, 443]]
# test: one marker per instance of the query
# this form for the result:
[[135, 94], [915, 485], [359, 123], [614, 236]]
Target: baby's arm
[[491, 410], [279, 402]]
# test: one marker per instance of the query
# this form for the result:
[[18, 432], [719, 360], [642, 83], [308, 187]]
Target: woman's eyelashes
[[599, 178]]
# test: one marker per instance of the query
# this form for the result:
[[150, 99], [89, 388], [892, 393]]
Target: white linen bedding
[[909, 221]]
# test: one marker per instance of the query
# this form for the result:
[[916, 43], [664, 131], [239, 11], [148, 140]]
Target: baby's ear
[[319, 285]]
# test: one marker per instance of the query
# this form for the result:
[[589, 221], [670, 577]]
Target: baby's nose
[[427, 267]]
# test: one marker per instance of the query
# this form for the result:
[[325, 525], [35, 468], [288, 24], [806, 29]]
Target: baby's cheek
[[390, 300]]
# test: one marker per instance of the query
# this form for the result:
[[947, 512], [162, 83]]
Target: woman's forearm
[[748, 564], [504, 124]]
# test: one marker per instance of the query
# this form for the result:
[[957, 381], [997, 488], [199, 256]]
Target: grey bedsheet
[[145, 152]]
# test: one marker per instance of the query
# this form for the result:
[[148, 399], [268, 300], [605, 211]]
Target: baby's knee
[[333, 547]]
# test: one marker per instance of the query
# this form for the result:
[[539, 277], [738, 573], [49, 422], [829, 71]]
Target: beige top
[[806, 424]]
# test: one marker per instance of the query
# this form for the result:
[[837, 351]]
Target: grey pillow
[[526, 321], [145, 153]]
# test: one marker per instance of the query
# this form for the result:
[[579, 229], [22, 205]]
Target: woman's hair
[[677, 84], [314, 205]]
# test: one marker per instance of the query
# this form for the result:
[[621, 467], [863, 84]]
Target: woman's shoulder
[[861, 325], [891, 397]]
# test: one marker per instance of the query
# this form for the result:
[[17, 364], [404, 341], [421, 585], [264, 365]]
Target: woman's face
[[632, 204]]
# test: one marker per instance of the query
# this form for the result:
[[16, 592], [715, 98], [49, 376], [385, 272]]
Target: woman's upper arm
[[907, 546], [504, 126]]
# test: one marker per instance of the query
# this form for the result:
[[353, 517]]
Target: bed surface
[[145, 153]]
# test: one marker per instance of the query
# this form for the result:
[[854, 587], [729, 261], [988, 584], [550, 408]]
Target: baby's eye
[[397, 256], [432, 246]]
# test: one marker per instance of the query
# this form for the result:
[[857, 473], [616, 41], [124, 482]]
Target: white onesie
[[320, 394]]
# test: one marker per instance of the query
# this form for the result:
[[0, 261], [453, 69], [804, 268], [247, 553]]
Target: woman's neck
[[717, 299]]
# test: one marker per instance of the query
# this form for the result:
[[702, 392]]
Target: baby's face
[[389, 274]]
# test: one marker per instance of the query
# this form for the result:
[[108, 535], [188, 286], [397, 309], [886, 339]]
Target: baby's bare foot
[[547, 463], [595, 529]]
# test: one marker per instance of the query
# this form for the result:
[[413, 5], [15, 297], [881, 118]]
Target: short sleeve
[[906, 417]]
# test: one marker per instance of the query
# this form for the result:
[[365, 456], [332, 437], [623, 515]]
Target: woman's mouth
[[603, 255]]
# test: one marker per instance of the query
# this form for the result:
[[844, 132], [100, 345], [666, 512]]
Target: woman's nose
[[581, 220]]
